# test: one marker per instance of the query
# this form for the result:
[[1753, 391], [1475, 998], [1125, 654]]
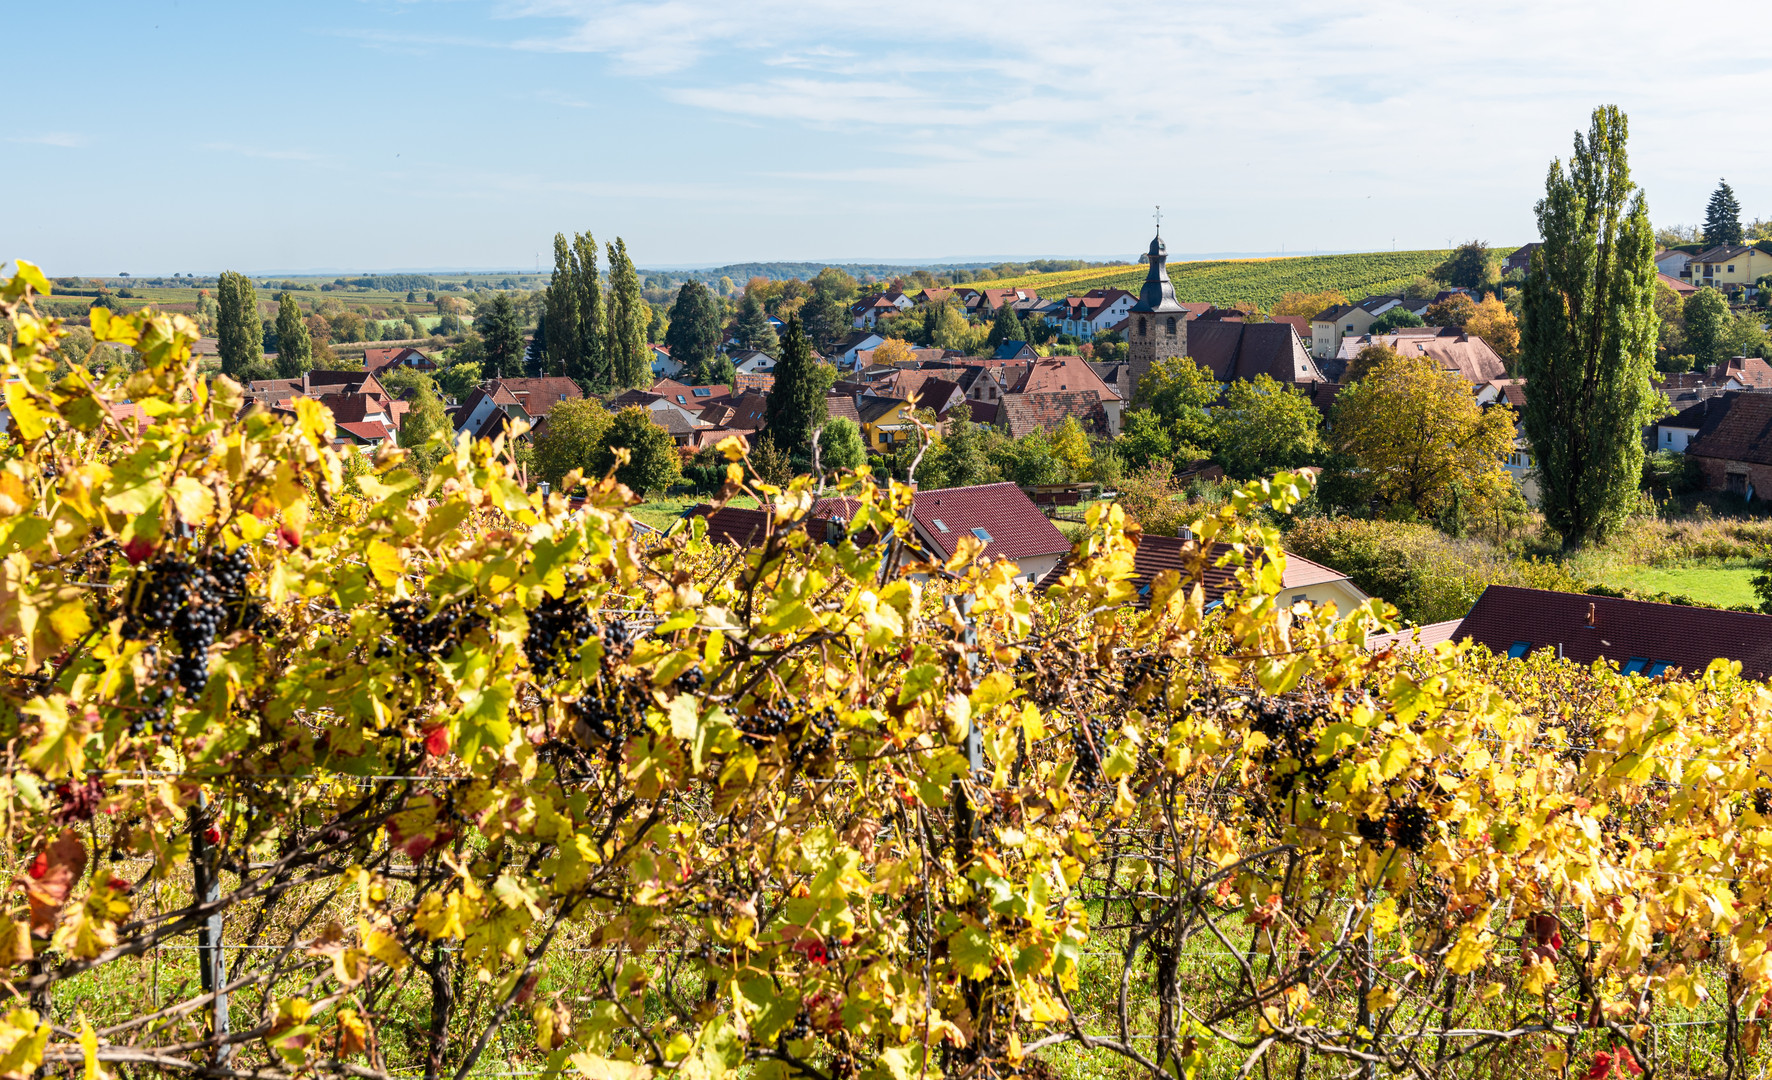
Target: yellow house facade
[[1730, 266], [886, 423]]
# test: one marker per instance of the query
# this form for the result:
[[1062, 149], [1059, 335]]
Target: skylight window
[[702, 391], [941, 525], [681, 400], [1636, 665], [982, 535], [1518, 649], [1656, 667]]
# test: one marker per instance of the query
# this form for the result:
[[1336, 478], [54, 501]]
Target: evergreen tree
[[754, 331], [239, 333], [591, 366], [797, 402], [1722, 218], [1006, 327], [561, 302], [1587, 346], [627, 359], [826, 317], [295, 347], [1706, 315], [694, 334], [502, 334]]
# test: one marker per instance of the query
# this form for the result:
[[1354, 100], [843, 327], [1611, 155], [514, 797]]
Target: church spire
[[1158, 293]]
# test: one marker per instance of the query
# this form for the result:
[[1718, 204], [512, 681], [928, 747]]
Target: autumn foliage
[[483, 777]]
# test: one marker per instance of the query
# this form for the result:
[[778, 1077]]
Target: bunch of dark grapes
[[151, 717], [606, 717], [79, 801], [1763, 802], [817, 734], [1289, 729], [616, 641], [194, 600], [435, 633], [1147, 679], [1412, 826], [764, 725], [1401, 826], [690, 681], [558, 628], [1088, 740]]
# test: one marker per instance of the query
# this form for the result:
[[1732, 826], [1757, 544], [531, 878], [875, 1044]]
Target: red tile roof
[[1737, 426], [1620, 630], [1238, 350], [1415, 637], [1016, 527]]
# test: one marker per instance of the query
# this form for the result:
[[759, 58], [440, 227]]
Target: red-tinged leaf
[[290, 535], [138, 550], [437, 741], [1601, 1068], [63, 863], [1629, 1061]]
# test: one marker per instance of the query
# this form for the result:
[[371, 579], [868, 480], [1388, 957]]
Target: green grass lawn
[[661, 513], [1724, 584]]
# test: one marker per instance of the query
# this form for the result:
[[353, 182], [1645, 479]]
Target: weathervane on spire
[[1159, 217]]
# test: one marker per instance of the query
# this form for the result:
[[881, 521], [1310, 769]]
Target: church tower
[[1157, 324]]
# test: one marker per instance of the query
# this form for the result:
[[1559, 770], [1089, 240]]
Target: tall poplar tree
[[626, 339], [561, 300], [295, 346], [592, 367], [1722, 218], [797, 405], [239, 333], [1587, 346]]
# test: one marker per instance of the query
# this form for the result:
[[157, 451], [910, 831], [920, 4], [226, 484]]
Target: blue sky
[[176, 135]]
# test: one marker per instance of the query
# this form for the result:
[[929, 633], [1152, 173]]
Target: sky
[[166, 136]]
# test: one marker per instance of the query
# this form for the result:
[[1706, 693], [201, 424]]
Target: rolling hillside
[[1259, 281]]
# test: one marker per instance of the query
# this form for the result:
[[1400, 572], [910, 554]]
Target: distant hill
[[1258, 281], [740, 273]]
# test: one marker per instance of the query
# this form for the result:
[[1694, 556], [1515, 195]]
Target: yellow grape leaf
[[384, 563], [1540, 975], [593, 1067], [1470, 951], [22, 1039]]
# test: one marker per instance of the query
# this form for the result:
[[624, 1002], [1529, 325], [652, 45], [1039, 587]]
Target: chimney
[[1184, 532], [1590, 616]]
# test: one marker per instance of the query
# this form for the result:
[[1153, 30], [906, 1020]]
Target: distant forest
[[956, 273]]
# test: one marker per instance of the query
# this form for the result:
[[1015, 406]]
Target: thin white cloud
[[65, 139], [264, 153]]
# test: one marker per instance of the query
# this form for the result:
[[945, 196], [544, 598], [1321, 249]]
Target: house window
[[1141, 327], [1518, 649], [1731, 268], [1350, 328], [1171, 326], [940, 525], [1636, 665], [1299, 599], [702, 391], [982, 535], [1656, 667]]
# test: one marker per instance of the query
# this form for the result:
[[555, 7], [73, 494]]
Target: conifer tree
[[1587, 346], [754, 331], [239, 333], [502, 334], [561, 300], [295, 346], [694, 333], [626, 339], [591, 367], [1006, 327], [1722, 218], [797, 402]]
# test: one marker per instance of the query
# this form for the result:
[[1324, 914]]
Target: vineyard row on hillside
[[1261, 281]]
